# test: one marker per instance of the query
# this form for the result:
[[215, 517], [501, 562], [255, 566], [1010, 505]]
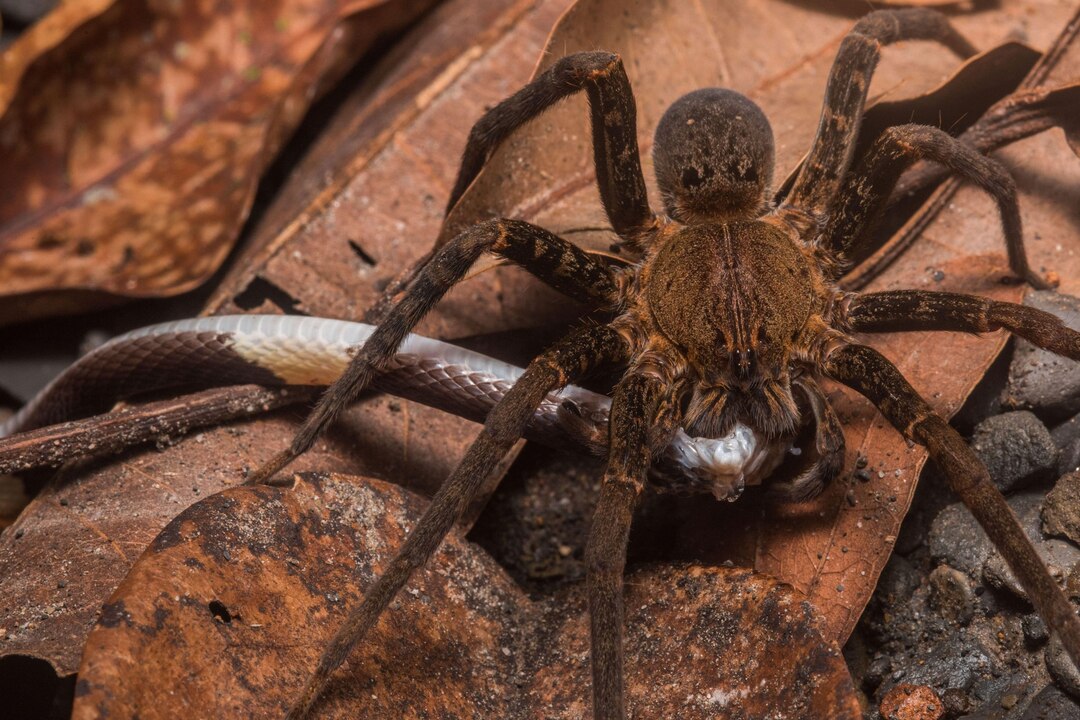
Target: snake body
[[293, 350]]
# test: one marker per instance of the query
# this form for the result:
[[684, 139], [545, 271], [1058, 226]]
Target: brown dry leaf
[[134, 135], [87, 528], [331, 246], [235, 600], [941, 4], [43, 37], [71, 547]]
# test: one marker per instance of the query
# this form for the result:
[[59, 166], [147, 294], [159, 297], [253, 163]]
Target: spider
[[731, 313]]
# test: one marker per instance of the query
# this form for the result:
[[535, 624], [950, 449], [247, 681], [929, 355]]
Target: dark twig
[[114, 431]]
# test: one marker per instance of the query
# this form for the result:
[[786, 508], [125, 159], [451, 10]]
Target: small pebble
[[1067, 437], [1061, 510], [952, 595], [1016, 448], [1039, 379], [912, 702], [1034, 628], [1061, 667]]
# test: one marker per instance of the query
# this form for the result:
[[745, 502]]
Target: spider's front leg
[[870, 373], [867, 188], [822, 173], [614, 126], [566, 362], [634, 408], [553, 260]]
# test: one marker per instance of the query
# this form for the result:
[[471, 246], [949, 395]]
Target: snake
[[304, 350]]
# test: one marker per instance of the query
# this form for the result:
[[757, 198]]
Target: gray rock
[[956, 539], [1067, 437], [951, 594], [1052, 704], [1057, 554], [1038, 379], [1016, 448], [1061, 667], [1035, 633], [997, 575], [956, 662], [1061, 511], [899, 579]]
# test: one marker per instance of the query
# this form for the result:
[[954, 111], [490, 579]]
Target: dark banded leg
[[614, 125], [553, 260], [827, 459], [633, 413], [867, 371], [564, 363], [821, 174], [866, 189], [906, 310]]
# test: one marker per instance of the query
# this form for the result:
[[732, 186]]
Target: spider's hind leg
[[867, 371], [614, 124], [564, 363], [866, 189], [553, 260], [845, 96]]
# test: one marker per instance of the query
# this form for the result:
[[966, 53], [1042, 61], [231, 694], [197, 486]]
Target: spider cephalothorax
[[730, 298], [729, 313]]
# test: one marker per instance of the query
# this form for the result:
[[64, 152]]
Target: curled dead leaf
[[134, 136], [235, 599]]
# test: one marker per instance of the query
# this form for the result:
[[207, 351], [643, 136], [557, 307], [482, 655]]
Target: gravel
[[1039, 380], [1061, 512], [948, 613], [1016, 448], [1067, 437]]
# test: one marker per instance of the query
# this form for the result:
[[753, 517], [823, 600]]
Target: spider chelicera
[[730, 314]]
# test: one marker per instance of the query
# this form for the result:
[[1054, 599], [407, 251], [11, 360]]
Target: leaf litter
[[788, 84]]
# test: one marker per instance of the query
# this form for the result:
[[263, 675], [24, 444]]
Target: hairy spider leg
[[866, 190], [823, 171], [553, 260], [567, 361], [907, 310], [614, 126], [634, 406], [867, 371]]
